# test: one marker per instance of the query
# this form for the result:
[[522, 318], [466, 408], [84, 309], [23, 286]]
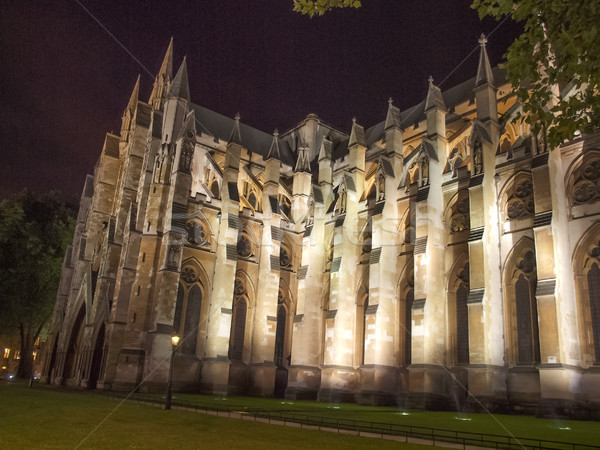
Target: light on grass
[[465, 419], [563, 428], [403, 413]]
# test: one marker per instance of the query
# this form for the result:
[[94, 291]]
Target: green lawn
[[44, 417], [571, 431]]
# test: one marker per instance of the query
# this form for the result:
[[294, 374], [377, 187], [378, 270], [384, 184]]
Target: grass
[[571, 431], [50, 418]]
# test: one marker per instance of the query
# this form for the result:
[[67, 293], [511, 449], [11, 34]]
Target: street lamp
[[174, 341]]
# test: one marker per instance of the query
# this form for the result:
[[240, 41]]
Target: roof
[[452, 97], [256, 141]]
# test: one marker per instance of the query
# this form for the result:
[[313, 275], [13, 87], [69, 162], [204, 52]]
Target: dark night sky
[[64, 82]]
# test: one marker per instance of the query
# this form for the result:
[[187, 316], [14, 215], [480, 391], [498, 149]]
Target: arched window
[[521, 305], [462, 325], [524, 321], [238, 329], [364, 329], [593, 279], [408, 302], [192, 319], [518, 198], [188, 307], [214, 189], [586, 268], [252, 200], [280, 336], [245, 249], [197, 232]]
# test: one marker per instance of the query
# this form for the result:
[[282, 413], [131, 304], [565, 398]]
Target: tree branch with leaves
[[553, 66]]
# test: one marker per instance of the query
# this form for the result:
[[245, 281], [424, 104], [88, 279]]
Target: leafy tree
[[320, 7], [34, 232], [559, 48]]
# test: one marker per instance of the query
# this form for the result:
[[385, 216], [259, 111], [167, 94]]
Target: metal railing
[[311, 420]]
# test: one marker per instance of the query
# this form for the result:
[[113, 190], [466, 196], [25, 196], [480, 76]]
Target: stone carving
[[187, 153], [459, 220], [196, 234], [594, 251], [527, 264], [587, 182], [520, 200], [239, 288], [244, 246], [381, 186], [189, 275], [477, 158], [310, 215], [342, 199], [424, 165], [284, 257], [173, 255]]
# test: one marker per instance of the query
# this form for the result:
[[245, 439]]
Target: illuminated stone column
[[215, 369], [304, 376], [427, 376], [379, 371], [339, 376], [262, 368]]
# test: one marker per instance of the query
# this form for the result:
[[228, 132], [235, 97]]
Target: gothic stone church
[[445, 248]]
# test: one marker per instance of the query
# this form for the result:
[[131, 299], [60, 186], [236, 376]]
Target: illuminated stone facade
[[443, 248]]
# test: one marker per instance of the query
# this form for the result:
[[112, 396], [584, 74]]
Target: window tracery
[[519, 203], [586, 182], [460, 219], [285, 256], [245, 249], [197, 234]]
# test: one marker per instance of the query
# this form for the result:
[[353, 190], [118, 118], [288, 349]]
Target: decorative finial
[[390, 100], [276, 132], [237, 117], [482, 40], [353, 120], [430, 79]]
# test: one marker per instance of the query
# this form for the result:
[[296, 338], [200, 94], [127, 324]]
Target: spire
[[180, 86], [163, 79], [236, 136], [303, 163], [392, 119], [357, 135], [326, 147], [434, 97], [484, 69], [166, 68], [274, 150], [188, 130], [134, 96]]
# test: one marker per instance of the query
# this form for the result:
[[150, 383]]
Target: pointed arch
[[516, 197], [190, 313], [586, 267], [405, 290], [458, 313], [520, 278], [582, 178], [241, 321], [362, 322], [74, 344]]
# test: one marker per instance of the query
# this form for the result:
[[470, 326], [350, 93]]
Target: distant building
[[445, 246]]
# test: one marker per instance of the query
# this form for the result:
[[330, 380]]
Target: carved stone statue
[[424, 163], [381, 187], [477, 158]]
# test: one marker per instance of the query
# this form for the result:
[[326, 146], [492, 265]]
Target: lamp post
[[174, 341]]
